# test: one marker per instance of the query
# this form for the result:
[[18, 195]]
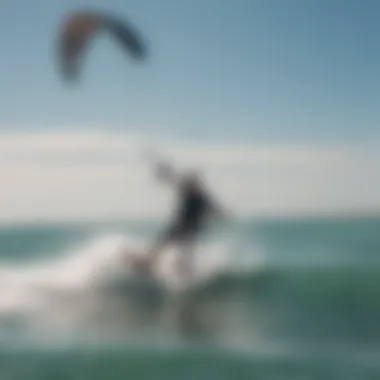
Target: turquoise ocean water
[[307, 306]]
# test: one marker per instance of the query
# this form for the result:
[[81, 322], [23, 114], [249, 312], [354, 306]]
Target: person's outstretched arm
[[166, 173], [162, 169], [219, 211]]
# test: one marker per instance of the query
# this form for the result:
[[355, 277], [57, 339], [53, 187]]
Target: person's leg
[[185, 255], [156, 249]]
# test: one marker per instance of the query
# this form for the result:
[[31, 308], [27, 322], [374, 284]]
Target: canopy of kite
[[78, 30]]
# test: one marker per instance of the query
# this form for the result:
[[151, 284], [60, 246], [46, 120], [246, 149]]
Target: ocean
[[285, 299]]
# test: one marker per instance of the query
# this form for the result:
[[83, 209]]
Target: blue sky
[[270, 70]]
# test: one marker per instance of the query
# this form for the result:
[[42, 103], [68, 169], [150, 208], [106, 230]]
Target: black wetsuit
[[194, 208]]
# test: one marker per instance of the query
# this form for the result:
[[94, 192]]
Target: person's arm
[[166, 173], [218, 210], [161, 168]]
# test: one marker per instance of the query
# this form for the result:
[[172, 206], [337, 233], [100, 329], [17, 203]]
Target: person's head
[[192, 181]]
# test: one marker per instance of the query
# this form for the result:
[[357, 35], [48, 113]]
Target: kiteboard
[[159, 273], [165, 273]]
